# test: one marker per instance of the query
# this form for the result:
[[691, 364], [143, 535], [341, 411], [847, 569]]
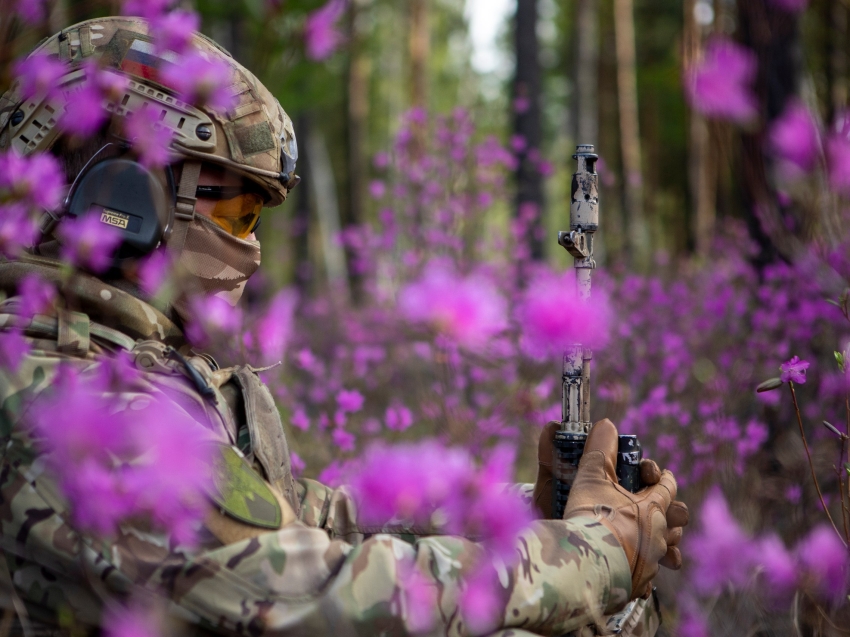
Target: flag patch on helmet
[[143, 61]]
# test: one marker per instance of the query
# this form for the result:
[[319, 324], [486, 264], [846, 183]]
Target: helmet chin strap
[[184, 209]]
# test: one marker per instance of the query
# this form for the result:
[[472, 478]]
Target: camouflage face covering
[[217, 263]]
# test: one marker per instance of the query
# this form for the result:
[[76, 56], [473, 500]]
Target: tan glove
[[648, 524], [544, 486]]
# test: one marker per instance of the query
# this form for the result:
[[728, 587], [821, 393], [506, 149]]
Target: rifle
[[575, 396]]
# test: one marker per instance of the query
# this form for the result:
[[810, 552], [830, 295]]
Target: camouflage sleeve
[[299, 579]]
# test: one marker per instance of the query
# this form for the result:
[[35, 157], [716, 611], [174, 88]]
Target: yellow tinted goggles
[[237, 211]]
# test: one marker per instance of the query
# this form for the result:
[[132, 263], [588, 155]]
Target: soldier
[[301, 565]]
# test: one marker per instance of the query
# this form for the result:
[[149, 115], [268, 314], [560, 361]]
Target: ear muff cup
[[128, 197]]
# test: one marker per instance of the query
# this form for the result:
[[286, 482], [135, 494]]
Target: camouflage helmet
[[254, 138]]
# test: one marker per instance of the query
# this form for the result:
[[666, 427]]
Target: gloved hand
[[648, 524], [544, 486]]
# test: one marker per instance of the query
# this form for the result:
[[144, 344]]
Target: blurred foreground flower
[[36, 181], [274, 329], [150, 140], [210, 317], [469, 310], [427, 483], [721, 85], [321, 37], [38, 75], [88, 243], [550, 317], [120, 459], [201, 81], [794, 136]]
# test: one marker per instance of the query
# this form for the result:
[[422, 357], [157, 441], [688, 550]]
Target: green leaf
[[769, 385], [839, 358], [834, 302], [847, 468]]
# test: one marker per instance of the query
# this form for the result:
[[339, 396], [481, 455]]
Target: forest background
[[404, 272]]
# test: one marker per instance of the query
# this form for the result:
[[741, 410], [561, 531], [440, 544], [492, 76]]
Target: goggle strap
[[184, 208]]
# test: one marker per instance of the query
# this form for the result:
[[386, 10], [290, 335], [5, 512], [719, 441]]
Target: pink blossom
[[149, 459], [792, 6], [132, 621], [39, 75], [467, 310], [37, 180], [721, 84], [722, 552], [794, 136], [480, 603], [381, 160], [150, 140], [350, 401], [201, 81], [299, 419], [13, 348], [551, 317], [823, 557], [398, 417], [420, 596], [838, 162], [211, 316], [148, 9], [88, 243], [297, 464], [794, 370], [343, 439], [377, 189], [154, 272], [321, 36], [37, 296], [274, 329], [84, 114], [780, 568], [32, 12], [174, 30], [521, 104], [18, 229]]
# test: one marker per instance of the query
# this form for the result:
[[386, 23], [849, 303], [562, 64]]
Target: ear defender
[[129, 198]]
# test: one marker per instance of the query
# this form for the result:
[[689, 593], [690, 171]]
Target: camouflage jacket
[[318, 574]]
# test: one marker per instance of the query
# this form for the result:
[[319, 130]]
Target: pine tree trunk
[[637, 239], [420, 45], [527, 128], [358, 114], [587, 72]]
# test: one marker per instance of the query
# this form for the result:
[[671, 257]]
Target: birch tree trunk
[[527, 127], [637, 239]]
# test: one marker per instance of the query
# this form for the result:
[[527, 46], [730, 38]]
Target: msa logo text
[[114, 219]]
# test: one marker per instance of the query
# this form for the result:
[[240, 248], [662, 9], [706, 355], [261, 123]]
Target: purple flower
[[39, 75], [838, 162], [88, 243], [37, 180], [133, 621], [321, 37], [148, 9], [116, 461], [780, 568], [350, 401], [792, 6], [297, 464], [37, 296], [174, 30], [274, 329], [32, 12], [720, 85], [343, 439], [794, 371], [722, 552], [154, 272], [794, 136], [823, 557], [151, 140], [13, 348], [398, 417], [468, 310], [300, 420], [480, 603], [201, 81], [18, 230], [84, 114], [210, 316], [550, 316], [377, 189]]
